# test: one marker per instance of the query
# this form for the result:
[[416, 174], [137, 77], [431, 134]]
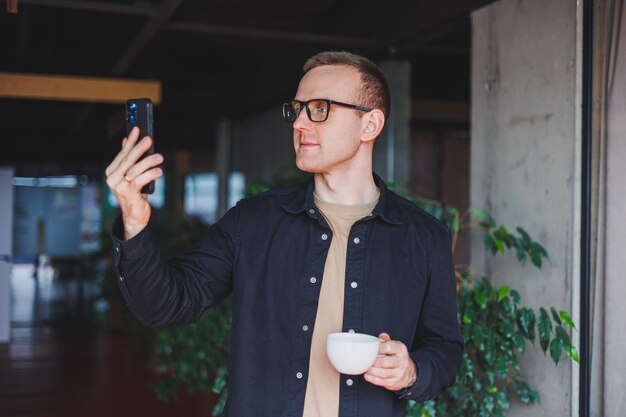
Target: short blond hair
[[374, 92]]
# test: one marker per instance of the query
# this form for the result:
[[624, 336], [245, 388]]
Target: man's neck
[[352, 188]]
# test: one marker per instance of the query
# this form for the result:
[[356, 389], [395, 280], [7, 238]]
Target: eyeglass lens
[[316, 110]]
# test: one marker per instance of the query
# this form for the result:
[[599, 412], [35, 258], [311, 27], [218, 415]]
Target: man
[[339, 252]]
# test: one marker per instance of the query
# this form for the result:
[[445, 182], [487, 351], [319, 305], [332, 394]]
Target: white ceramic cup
[[352, 353]]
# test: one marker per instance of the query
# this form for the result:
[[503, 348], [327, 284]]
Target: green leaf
[[466, 370], [521, 255], [487, 406], [499, 245], [523, 393], [506, 328], [501, 233], [503, 292], [477, 384], [520, 342], [537, 252], [455, 225], [531, 329], [572, 353], [556, 349], [526, 319], [490, 246], [567, 320], [219, 383], [515, 296], [555, 316], [478, 336], [503, 399], [526, 394], [502, 367], [545, 329], [480, 298], [563, 336], [534, 395], [542, 251], [535, 258], [525, 238], [486, 218]]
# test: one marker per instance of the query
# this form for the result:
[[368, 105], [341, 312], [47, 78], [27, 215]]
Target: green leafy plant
[[497, 329]]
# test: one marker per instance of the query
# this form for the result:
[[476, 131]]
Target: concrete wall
[[524, 162]]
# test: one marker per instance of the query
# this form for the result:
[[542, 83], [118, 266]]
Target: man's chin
[[307, 167]]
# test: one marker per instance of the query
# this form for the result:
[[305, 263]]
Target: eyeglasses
[[317, 109]]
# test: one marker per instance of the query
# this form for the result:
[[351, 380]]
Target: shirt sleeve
[[438, 345], [161, 292]]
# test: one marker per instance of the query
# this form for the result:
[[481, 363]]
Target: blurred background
[[218, 73], [489, 110]]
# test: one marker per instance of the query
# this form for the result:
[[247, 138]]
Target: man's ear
[[372, 124]]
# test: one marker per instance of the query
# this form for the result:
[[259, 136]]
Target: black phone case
[[139, 112]]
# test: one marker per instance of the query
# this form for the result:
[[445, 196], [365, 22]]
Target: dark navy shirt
[[269, 252]]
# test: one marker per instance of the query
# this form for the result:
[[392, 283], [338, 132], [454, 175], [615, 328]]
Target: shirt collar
[[301, 199]]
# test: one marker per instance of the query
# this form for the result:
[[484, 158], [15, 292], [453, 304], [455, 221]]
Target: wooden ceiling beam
[[85, 89]]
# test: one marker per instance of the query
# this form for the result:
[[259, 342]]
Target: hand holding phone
[[139, 112]]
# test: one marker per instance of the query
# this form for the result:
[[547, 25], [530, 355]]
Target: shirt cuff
[[132, 248], [419, 388]]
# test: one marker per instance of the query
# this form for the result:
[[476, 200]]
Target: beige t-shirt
[[322, 391]]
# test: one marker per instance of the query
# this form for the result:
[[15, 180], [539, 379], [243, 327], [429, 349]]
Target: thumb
[[384, 337]]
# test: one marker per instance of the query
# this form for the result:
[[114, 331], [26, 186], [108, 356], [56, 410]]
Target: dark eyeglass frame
[[288, 106]]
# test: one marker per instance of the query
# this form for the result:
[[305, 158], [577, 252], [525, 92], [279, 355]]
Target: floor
[[59, 365]]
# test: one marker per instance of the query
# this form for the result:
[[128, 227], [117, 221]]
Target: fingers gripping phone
[[139, 112]]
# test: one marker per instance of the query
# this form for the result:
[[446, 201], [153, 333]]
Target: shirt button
[[311, 211], [351, 331], [357, 240], [305, 328], [299, 375], [121, 278], [117, 249], [324, 236], [313, 280], [354, 284], [349, 382]]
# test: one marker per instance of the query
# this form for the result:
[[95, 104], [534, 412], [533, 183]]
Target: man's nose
[[302, 122]]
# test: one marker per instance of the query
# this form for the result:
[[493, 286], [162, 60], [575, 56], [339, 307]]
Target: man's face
[[329, 146]]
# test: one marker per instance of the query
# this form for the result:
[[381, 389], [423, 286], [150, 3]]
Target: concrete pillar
[[392, 149], [6, 251], [262, 147], [525, 164], [223, 163], [179, 165]]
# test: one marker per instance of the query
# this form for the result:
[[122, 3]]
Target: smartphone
[[139, 112]]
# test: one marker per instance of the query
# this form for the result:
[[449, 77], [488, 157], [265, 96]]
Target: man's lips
[[307, 144]]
